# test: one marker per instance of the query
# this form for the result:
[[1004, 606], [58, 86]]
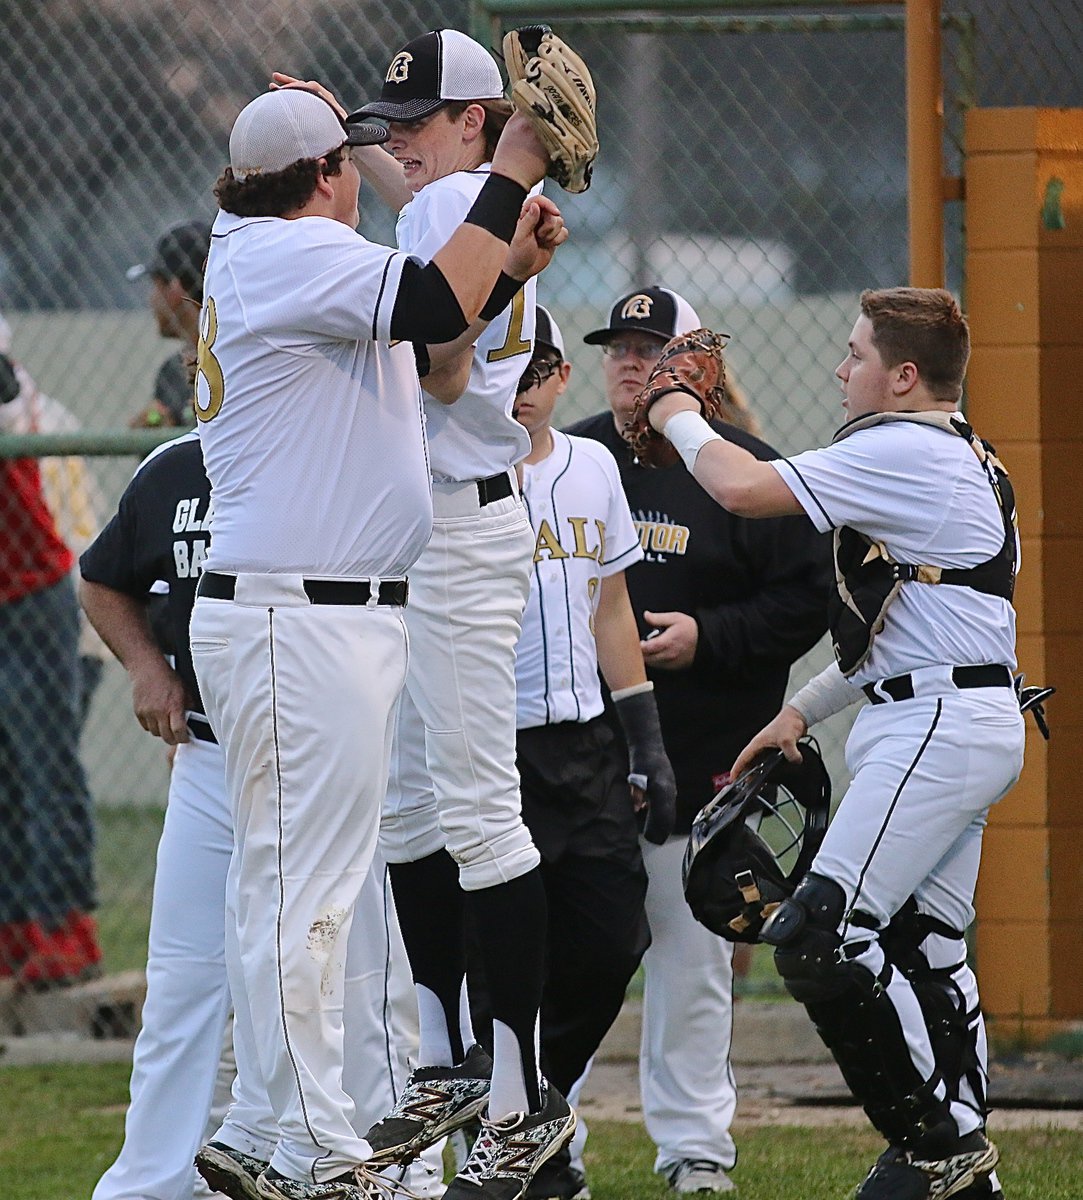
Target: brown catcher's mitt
[[693, 363], [551, 86]]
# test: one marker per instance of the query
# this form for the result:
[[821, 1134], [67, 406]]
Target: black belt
[[200, 728], [901, 687], [217, 586], [496, 487]]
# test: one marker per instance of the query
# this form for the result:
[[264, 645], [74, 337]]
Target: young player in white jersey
[[311, 424], [161, 531], [453, 833], [579, 799], [872, 940]]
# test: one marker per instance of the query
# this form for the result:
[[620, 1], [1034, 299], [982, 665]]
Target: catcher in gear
[[872, 940], [550, 85], [691, 362], [752, 844]]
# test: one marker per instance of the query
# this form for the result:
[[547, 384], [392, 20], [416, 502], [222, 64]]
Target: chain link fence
[[754, 160]]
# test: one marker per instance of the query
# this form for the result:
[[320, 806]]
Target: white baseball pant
[[303, 698], [453, 782], [925, 773], [176, 1054], [685, 1078]]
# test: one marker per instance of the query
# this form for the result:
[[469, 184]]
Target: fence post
[[924, 135]]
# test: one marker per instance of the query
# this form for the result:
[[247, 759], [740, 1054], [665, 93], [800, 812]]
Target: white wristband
[[689, 433], [634, 690], [824, 695]]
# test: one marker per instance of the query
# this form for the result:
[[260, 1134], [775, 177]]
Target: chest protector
[[868, 579]]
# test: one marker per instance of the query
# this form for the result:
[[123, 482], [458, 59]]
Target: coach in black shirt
[[731, 604]]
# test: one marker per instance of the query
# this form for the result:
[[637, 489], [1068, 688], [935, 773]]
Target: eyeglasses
[[647, 350], [537, 373]]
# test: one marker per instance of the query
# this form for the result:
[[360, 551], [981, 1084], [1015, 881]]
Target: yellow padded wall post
[[1024, 288]]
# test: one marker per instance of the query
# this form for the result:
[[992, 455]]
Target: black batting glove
[[648, 765]]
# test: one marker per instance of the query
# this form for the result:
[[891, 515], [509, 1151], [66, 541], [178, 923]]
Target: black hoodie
[[757, 588]]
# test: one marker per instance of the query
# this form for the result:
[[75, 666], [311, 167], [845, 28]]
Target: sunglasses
[[537, 373]]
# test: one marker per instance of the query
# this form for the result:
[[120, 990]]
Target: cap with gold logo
[[650, 310], [431, 70]]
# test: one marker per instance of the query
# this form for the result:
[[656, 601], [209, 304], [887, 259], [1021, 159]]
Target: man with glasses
[[724, 605]]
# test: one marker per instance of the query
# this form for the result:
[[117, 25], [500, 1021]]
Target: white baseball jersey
[[583, 533], [477, 436], [311, 421], [921, 492]]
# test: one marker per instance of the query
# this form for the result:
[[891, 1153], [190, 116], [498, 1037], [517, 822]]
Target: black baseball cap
[[547, 333], [426, 73], [179, 254], [649, 310]]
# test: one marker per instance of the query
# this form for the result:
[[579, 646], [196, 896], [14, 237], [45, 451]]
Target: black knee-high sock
[[429, 903], [510, 920]]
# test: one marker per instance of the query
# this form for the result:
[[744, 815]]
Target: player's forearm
[[471, 262], [121, 622], [448, 375], [824, 695], [738, 480], [617, 637], [383, 173]]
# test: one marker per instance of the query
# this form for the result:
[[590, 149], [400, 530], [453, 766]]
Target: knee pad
[[953, 1029], [804, 931], [852, 1012]]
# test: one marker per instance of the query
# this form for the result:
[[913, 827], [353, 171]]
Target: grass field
[[62, 1126]]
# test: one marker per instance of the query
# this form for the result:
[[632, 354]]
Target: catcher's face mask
[[752, 844]]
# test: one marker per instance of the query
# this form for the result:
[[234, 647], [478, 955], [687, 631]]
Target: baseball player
[[161, 531], [724, 607], [453, 833], [176, 274], [312, 430], [872, 940], [574, 772]]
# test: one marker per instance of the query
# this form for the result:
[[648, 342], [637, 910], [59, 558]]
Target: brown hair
[[926, 327], [737, 409], [277, 192], [497, 115]]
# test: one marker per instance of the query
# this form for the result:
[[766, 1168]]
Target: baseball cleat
[[692, 1175], [901, 1175], [435, 1102], [508, 1153], [986, 1188], [559, 1179], [357, 1184], [229, 1171]]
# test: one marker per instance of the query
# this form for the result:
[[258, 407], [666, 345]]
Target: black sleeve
[[426, 309], [115, 558], [785, 613]]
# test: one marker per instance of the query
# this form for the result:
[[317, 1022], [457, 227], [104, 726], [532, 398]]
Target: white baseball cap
[[431, 70], [283, 126]]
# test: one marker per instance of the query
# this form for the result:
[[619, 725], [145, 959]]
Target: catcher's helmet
[[753, 843]]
